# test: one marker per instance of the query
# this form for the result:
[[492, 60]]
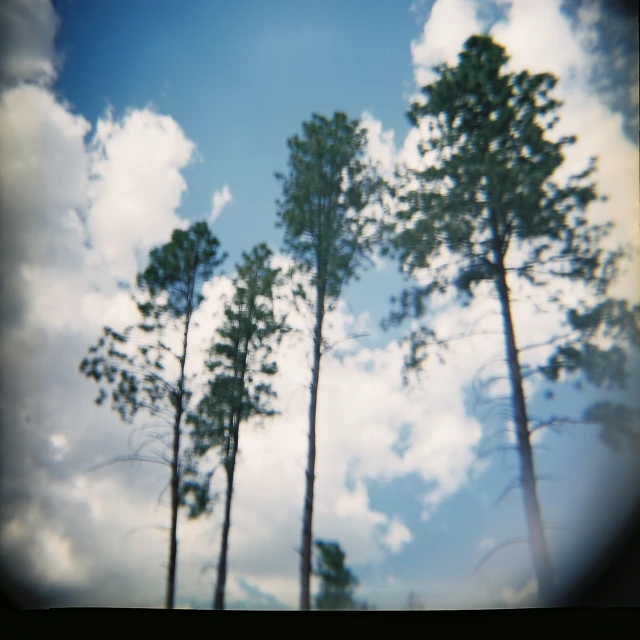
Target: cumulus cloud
[[136, 186], [219, 201], [397, 535], [380, 144], [43, 187], [451, 22]]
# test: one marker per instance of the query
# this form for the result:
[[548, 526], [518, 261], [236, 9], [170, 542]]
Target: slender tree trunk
[[239, 378], [218, 601], [175, 457], [537, 537], [175, 498], [175, 478], [307, 517]]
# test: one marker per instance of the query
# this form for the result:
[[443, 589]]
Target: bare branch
[[138, 529], [555, 420], [329, 347], [500, 547], [166, 486], [129, 458], [547, 343], [464, 336], [514, 484]]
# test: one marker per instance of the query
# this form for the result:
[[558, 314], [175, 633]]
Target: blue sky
[[139, 117], [240, 79]]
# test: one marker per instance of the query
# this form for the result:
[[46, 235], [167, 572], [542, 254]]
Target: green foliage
[[240, 363], [489, 189], [324, 197], [337, 582], [176, 270], [620, 424], [136, 381], [195, 493], [613, 320], [170, 287]]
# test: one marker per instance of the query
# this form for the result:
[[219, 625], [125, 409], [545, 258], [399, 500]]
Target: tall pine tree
[[329, 238], [337, 582], [240, 365], [133, 363], [487, 208]]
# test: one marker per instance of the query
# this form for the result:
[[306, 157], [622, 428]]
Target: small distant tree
[[329, 238], [133, 363], [240, 364], [337, 582], [414, 602]]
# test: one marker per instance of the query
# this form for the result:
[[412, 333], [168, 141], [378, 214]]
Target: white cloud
[[57, 561], [125, 184], [219, 201], [380, 145], [137, 186], [50, 552], [451, 22], [43, 186], [397, 535], [556, 50]]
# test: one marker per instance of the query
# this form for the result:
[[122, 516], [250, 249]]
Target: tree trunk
[[218, 601], [239, 377], [307, 517], [175, 460], [175, 499], [537, 537]]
